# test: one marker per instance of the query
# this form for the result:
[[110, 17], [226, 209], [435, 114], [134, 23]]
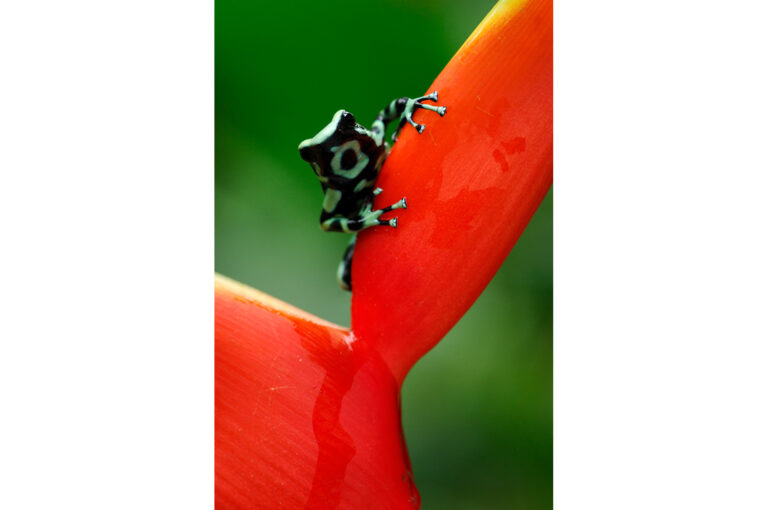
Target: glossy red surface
[[472, 179], [306, 417]]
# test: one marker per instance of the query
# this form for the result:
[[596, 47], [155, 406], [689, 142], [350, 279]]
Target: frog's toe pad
[[428, 97], [393, 223], [441, 110], [403, 203]]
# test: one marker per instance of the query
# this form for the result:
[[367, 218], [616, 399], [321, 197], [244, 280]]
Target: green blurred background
[[477, 410]]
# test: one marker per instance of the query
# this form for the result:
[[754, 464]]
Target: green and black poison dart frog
[[347, 159]]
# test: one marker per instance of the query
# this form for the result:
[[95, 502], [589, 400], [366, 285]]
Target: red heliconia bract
[[306, 416], [307, 412], [473, 180]]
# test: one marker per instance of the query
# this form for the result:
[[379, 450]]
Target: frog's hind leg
[[344, 272]]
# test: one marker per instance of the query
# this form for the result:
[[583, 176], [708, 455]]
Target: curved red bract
[[307, 412], [472, 179], [306, 416]]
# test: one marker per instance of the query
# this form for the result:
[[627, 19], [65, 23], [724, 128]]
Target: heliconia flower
[[307, 412]]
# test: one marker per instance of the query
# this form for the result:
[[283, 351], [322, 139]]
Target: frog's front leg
[[411, 106], [403, 108], [367, 219]]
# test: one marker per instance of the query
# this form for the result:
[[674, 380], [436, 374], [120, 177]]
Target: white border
[[106, 212], [661, 222]]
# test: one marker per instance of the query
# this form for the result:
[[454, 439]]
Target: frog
[[347, 159]]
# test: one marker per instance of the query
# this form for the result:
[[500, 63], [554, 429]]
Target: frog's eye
[[348, 159]]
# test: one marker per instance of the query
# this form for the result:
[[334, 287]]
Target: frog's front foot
[[412, 105], [374, 216], [401, 204]]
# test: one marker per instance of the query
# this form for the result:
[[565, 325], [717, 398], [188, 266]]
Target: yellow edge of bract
[[252, 295], [502, 11]]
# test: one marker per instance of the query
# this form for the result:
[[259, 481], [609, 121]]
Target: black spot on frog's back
[[348, 159]]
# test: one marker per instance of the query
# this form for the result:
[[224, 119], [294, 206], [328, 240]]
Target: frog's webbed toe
[[410, 108], [419, 127], [399, 127], [392, 222], [400, 204], [431, 97]]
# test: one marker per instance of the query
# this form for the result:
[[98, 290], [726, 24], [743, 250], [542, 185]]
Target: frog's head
[[317, 150]]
